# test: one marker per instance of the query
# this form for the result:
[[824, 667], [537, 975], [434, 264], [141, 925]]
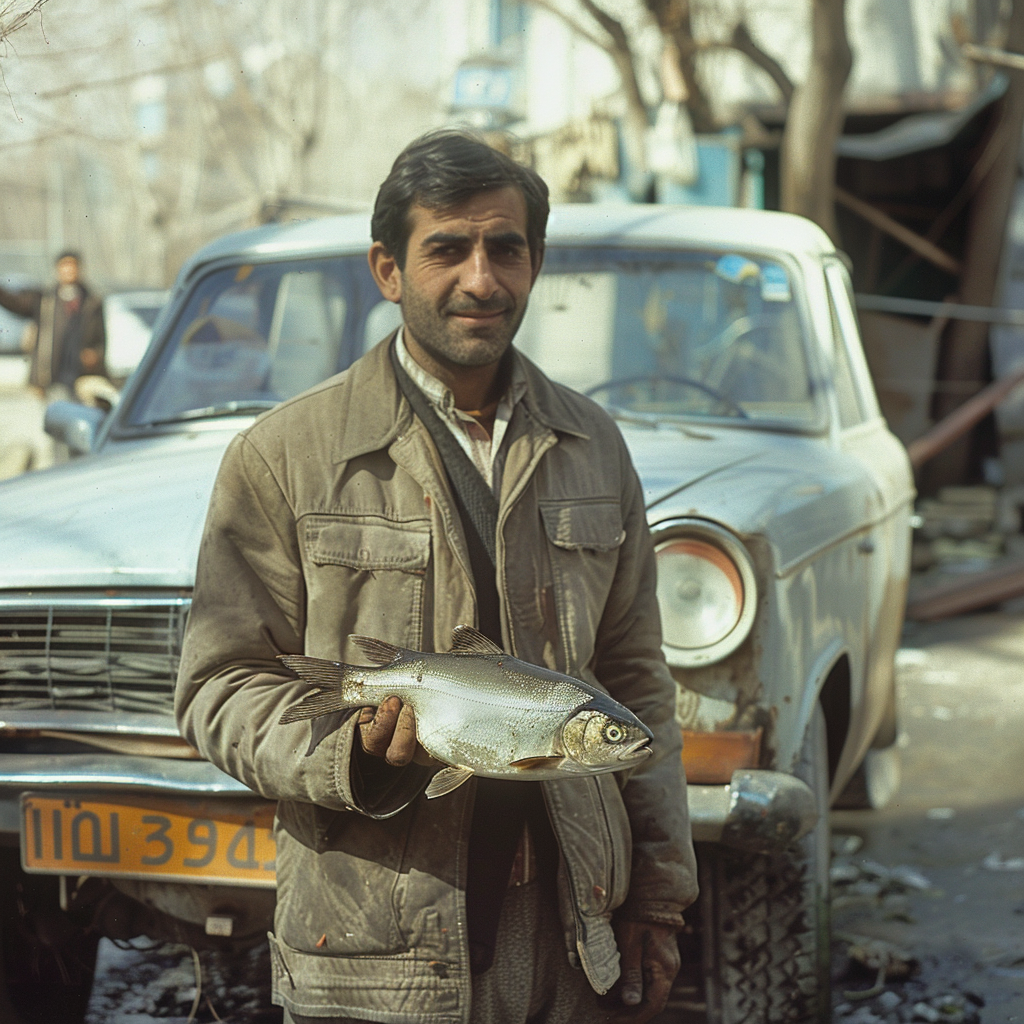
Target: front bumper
[[100, 772], [759, 810]]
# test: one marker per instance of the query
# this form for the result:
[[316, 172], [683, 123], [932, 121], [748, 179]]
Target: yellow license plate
[[229, 842]]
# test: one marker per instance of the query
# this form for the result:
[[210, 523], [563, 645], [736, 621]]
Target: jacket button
[[599, 893]]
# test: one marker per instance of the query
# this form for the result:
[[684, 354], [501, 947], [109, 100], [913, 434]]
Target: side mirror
[[73, 424]]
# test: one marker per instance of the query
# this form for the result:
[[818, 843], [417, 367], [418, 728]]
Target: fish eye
[[614, 733]]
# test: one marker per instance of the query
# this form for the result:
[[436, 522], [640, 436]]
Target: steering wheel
[[653, 378]]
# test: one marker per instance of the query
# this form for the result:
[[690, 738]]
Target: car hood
[[128, 516], [132, 515], [797, 491]]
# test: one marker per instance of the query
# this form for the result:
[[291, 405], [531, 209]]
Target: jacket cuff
[[369, 784], [651, 912]]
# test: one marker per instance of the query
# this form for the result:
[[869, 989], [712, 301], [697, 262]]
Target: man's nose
[[478, 277]]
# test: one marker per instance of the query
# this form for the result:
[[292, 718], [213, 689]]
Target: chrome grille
[[95, 654]]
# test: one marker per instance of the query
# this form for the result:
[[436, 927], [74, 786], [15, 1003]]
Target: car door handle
[[866, 546]]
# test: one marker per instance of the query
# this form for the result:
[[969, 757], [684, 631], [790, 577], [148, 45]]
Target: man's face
[[467, 278], [67, 270]]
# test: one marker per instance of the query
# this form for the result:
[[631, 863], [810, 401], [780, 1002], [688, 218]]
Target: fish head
[[604, 734]]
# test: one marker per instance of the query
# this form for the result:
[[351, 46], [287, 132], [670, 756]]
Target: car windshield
[[250, 336], [673, 333], [650, 333]]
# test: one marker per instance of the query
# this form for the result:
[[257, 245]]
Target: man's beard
[[448, 342]]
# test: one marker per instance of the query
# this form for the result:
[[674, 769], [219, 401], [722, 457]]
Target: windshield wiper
[[235, 408]]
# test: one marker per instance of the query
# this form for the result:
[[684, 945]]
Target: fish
[[481, 711]]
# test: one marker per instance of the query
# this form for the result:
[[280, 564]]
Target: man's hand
[[650, 962], [389, 731]]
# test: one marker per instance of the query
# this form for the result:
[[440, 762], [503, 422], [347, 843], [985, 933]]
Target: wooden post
[[965, 353]]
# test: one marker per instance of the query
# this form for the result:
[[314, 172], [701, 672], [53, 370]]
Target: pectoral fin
[[526, 763], [447, 780]]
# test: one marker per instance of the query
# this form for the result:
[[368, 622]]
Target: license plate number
[[207, 841]]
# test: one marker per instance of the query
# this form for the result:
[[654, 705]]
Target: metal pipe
[[961, 419]]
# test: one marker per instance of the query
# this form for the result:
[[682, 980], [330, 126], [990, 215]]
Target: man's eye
[[508, 251]]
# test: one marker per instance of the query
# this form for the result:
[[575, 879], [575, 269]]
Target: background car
[[725, 344], [128, 317]]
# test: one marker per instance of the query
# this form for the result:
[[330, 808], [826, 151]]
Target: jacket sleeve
[[24, 303], [94, 334], [630, 664], [248, 607]]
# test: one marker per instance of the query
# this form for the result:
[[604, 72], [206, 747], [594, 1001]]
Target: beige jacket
[[332, 515]]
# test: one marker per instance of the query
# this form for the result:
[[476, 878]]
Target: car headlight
[[706, 590]]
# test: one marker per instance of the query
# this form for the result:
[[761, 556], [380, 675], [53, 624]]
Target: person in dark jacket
[[68, 338]]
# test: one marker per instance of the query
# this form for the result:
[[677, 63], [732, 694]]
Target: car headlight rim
[[724, 573]]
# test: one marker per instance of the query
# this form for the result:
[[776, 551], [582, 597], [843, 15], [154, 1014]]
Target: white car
[[725, 344], [128, 318]]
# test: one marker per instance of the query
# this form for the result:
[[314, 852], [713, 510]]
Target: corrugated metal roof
[[919, 132]]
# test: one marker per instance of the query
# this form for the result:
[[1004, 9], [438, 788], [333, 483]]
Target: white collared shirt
[[473, 439]]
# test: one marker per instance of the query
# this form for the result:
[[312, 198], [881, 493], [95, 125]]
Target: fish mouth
[[636, 750]]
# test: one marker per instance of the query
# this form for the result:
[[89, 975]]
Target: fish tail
[[338, 686]]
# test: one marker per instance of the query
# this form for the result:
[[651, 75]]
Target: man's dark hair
[[68, 254], [447, 167]]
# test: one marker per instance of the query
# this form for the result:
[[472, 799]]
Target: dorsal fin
[[467, 640], [377, 652]]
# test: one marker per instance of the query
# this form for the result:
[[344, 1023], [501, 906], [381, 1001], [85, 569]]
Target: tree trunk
[[673, 18], [816, 119], [965, 352]]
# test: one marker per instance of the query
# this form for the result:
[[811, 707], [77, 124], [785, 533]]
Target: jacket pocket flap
[[591, 525], [368, 544]]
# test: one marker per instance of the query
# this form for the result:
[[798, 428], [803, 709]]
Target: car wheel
[[48, 959], [766, 919]]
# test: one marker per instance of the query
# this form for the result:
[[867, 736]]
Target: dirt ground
[[957, 822]]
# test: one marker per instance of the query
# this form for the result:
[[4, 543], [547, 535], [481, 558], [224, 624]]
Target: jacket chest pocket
[[364, 574], [584, 538]]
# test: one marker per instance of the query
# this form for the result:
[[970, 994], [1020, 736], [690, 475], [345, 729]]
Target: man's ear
[[385, 271]]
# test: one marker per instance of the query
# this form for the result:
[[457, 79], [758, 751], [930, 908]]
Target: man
[[69, 338], [443, 480]]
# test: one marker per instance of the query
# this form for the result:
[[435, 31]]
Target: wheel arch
[[830, 684]]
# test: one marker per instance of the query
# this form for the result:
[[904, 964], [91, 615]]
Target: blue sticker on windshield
[[775, 284], [736, 269]]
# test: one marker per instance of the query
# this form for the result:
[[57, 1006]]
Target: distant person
[[67, 339]]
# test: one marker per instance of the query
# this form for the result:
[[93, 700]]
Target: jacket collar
[[372, 393]]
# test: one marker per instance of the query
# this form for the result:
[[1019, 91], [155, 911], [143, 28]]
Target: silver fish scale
[[455, 713]]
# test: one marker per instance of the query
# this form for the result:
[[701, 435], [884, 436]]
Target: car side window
[[847, 343], [850, 413], [307, 322]]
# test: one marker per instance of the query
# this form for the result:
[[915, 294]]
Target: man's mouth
[[479, 316]]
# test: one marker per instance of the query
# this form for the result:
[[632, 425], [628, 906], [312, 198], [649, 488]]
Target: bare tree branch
[[674, 20], [578, 27], [743, 42], [618, 47], [12, 18]]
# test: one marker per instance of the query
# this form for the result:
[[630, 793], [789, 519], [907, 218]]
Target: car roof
[[583, 223]]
